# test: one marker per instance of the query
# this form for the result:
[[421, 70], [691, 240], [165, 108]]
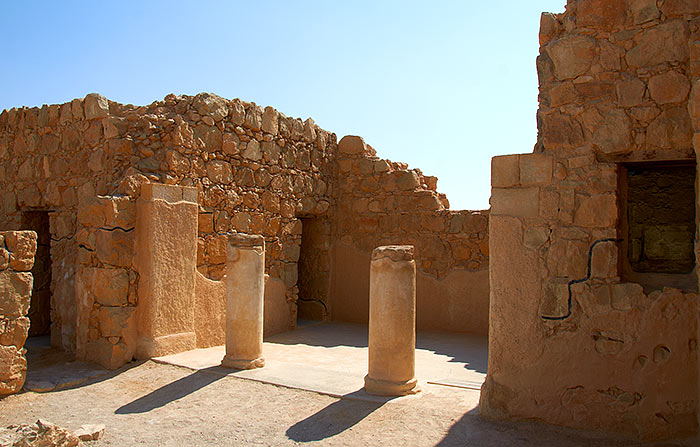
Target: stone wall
[[252, 170], [381, 202], [572, 342], [17, 250]]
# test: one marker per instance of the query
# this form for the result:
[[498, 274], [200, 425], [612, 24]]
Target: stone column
[[245, 289], [392, 322]]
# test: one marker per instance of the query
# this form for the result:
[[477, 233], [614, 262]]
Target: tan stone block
[[571, 55], [212, 105], [219, 171], [520, 202], [270, 121], [596, 211], [406, 180], [111, 356], [116, 321], [120, 212], [568, 259], [168, 193], [252, 151], [205, 223], [671, 129], [555, 298], [535, 169], [630, 92], [96, 106], [559, 130], [108, 286], [535, 237], [669, 87], [22, 247], [643, 11], [667, 42], [625, 296], [563, 93], [351, 144], [601, 14], [15, 293], [604, 260], [115, 247], [614, 133], [505, 171], [13, 374], [674, 8], [253, 116], [15, 332]]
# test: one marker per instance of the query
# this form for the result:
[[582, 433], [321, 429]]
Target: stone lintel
[[396, 253], [169, 193], [243, 240]]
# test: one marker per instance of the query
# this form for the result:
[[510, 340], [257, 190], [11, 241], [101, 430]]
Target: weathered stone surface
[[96, 106], [596, 210], [601, 14], [643, 10], [669, 87], [671, 129], [571, 55], [559, 130], [15, 291], [667, 42], [613, 135], [208, 104], [523, 202], [22, 247], [630, 92], [219, 171], [109, 287]]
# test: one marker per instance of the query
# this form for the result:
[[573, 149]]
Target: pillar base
[[387, 388], [228, 362]]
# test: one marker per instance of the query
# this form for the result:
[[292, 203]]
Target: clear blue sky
[[442, 85]]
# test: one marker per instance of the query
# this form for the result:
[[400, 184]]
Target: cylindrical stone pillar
[[392, 322], [245, 282]]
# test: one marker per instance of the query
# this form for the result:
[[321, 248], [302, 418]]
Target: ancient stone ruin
[[594, 288], [583, 272], [133, 207]]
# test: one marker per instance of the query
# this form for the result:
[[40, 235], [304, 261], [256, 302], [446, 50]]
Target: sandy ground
[[157, 404]]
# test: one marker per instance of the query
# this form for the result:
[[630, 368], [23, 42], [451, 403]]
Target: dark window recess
[[661, 218]]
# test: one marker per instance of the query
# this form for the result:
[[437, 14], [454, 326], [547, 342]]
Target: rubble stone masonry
[[252, 170], [17, 249], [573, 340]]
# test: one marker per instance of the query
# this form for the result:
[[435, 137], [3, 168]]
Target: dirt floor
[[157, 404]]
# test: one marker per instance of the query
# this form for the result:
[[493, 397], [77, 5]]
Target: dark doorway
[[40, 307], [314, 269], [658, 225]]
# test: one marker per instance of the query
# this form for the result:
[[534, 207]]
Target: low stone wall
[[17, 250]]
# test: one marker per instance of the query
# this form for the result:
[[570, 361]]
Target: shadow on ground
[[52, 369], [336, 417], [473, 430], [172, 391]]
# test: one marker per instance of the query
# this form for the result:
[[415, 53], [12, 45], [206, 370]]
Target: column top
[[246, 240], [394, 252]]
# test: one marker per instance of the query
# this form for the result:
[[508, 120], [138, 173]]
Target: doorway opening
[[657, 225], [40, 307], [314, 270]]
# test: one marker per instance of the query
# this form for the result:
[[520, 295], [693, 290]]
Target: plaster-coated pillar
[[245, 284], [392, 322]]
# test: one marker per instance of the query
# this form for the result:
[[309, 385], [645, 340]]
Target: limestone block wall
[[384, 203], [106, 280], [17, 250], [573, 341]]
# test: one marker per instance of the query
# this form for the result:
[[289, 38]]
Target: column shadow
[[172, 391], [336, 417]]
